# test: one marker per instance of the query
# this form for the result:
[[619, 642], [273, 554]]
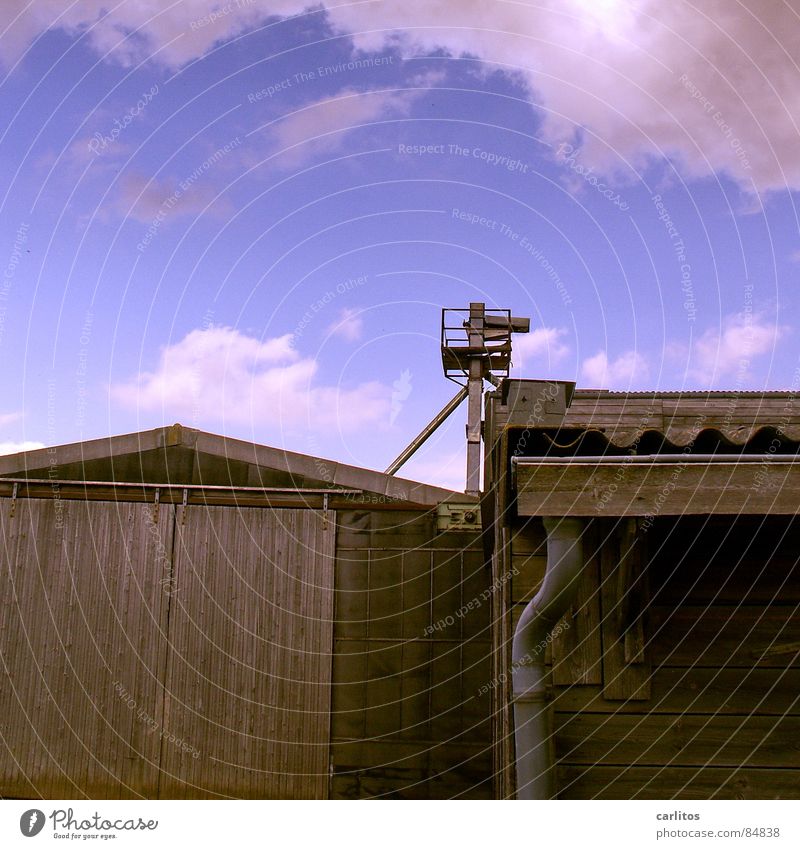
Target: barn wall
[[249, 668], [409, 718], [711, 708], [95, 617], [83, 614]]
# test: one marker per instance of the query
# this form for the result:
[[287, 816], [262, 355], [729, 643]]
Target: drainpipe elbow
[[532, 735]]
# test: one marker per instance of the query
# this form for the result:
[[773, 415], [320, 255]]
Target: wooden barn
[[190, 616]]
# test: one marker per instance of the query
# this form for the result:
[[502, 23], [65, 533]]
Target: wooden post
[[626, 672]]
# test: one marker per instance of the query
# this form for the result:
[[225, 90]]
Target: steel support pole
[[477, 314], [434, 423]]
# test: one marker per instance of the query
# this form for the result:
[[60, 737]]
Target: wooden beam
[[677, 740], [624, 488], [626, 782], [697, 690]]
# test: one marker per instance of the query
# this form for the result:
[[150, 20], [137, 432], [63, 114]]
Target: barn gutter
[[532, 735]]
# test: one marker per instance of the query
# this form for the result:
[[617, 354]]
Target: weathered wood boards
[[583, 488], [247, 681], [83, 643], [700, 657], [412, 690], [699, 621], [150, 654], [722, 633], [658, 782], [624, 594]]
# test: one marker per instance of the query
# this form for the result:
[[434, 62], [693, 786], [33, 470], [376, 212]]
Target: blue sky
[[247, 216]]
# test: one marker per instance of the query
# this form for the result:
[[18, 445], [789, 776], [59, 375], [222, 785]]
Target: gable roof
[[180, 455]]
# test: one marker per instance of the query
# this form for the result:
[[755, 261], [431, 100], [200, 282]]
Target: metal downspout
[[532, 734]]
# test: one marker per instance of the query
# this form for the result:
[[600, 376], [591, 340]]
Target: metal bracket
[[14, 490], [325, 511], [185, 505], [458, 517], [156, 502]]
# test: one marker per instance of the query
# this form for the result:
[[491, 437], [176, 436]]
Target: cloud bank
[[219, 373], [714, 87]]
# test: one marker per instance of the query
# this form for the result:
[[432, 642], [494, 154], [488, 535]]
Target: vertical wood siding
[[82, 621], [248, 674], [95, 616]]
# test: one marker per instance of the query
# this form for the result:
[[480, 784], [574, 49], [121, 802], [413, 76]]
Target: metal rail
[[207, 495], [192, 487], [673, 459]]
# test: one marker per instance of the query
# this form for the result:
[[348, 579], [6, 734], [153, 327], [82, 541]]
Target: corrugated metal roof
[[679, 437], [694, 393]]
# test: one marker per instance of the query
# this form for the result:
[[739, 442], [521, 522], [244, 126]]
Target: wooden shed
[[676, 671], [190, 616]]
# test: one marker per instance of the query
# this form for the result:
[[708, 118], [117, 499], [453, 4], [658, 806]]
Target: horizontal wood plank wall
[[82, 645], [248, 675], [412, 664], [723, 717]]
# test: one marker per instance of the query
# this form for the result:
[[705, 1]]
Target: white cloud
[[716, 87], [17, 447], [9, 446], [132, 30], [320, 127], [349, 325], [221, 374], [728, 350], [633, 73], [627, 369], [541, 347], [401, 392], [144, 199]]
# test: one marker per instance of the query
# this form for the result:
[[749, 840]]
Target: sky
[[247, 216]]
